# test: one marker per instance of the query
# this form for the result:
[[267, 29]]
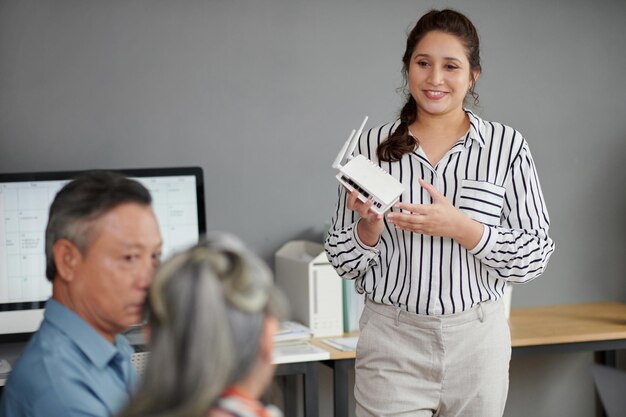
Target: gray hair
[[84, 200], [206, 310]]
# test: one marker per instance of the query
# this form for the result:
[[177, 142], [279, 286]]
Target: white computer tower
[[312, 286]]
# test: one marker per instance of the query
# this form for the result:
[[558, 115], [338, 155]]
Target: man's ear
[[66, 258], [266, 348]]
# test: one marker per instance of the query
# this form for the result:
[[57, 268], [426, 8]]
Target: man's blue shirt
[[69, 369]]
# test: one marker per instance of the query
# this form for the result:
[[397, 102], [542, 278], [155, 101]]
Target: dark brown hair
[[447, 21]]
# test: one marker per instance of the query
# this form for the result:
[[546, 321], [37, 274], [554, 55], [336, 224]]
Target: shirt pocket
[[482, 201]]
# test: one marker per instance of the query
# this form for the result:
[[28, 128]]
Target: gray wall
[[262, 93]]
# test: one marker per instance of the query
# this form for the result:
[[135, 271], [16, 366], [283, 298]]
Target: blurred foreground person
[[212, 313]]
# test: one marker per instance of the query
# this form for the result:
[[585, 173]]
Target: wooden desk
[[597, 327], [569, 328]]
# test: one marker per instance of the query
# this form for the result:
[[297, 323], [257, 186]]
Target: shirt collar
[[99, 351], [476, 130]]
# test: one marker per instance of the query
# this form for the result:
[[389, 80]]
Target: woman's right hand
[[371, 225]]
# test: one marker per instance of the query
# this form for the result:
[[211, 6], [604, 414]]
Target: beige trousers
[[419, 366]]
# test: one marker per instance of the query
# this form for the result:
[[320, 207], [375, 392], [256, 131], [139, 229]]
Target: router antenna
[[342, 152], [355, 139]]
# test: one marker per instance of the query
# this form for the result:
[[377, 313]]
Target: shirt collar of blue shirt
[[99, 351]]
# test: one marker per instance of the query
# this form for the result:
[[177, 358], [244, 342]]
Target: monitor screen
[[25, 199]]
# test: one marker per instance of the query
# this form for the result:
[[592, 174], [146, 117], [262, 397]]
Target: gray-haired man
[[102, 247]]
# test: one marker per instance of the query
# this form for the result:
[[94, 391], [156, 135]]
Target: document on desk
[[298, 352], [344, 344], [290, 331]]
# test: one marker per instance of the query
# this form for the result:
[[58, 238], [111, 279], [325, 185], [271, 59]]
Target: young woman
[[212, 313], [434, 337]]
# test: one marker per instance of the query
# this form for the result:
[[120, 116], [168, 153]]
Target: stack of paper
[[290, 331], [344, 344], [291, 344], [298, 352]]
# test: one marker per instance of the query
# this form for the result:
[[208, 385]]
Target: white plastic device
[[370, 180], [312, 286]]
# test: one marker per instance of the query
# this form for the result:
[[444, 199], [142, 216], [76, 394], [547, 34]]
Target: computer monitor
[[25, 199]]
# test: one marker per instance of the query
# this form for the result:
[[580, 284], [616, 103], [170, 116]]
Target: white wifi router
[[370, 180]]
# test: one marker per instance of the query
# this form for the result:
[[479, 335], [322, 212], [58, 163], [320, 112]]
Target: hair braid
[[400, 142]]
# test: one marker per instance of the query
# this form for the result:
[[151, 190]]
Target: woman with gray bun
[[212, 313]]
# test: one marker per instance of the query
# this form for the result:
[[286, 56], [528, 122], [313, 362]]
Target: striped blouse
[[489, 175]]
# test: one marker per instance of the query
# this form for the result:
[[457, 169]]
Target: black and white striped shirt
[[489, 175]]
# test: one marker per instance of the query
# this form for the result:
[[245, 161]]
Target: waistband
[[479, 312]]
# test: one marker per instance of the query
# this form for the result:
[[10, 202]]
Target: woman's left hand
[[440, 218]]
